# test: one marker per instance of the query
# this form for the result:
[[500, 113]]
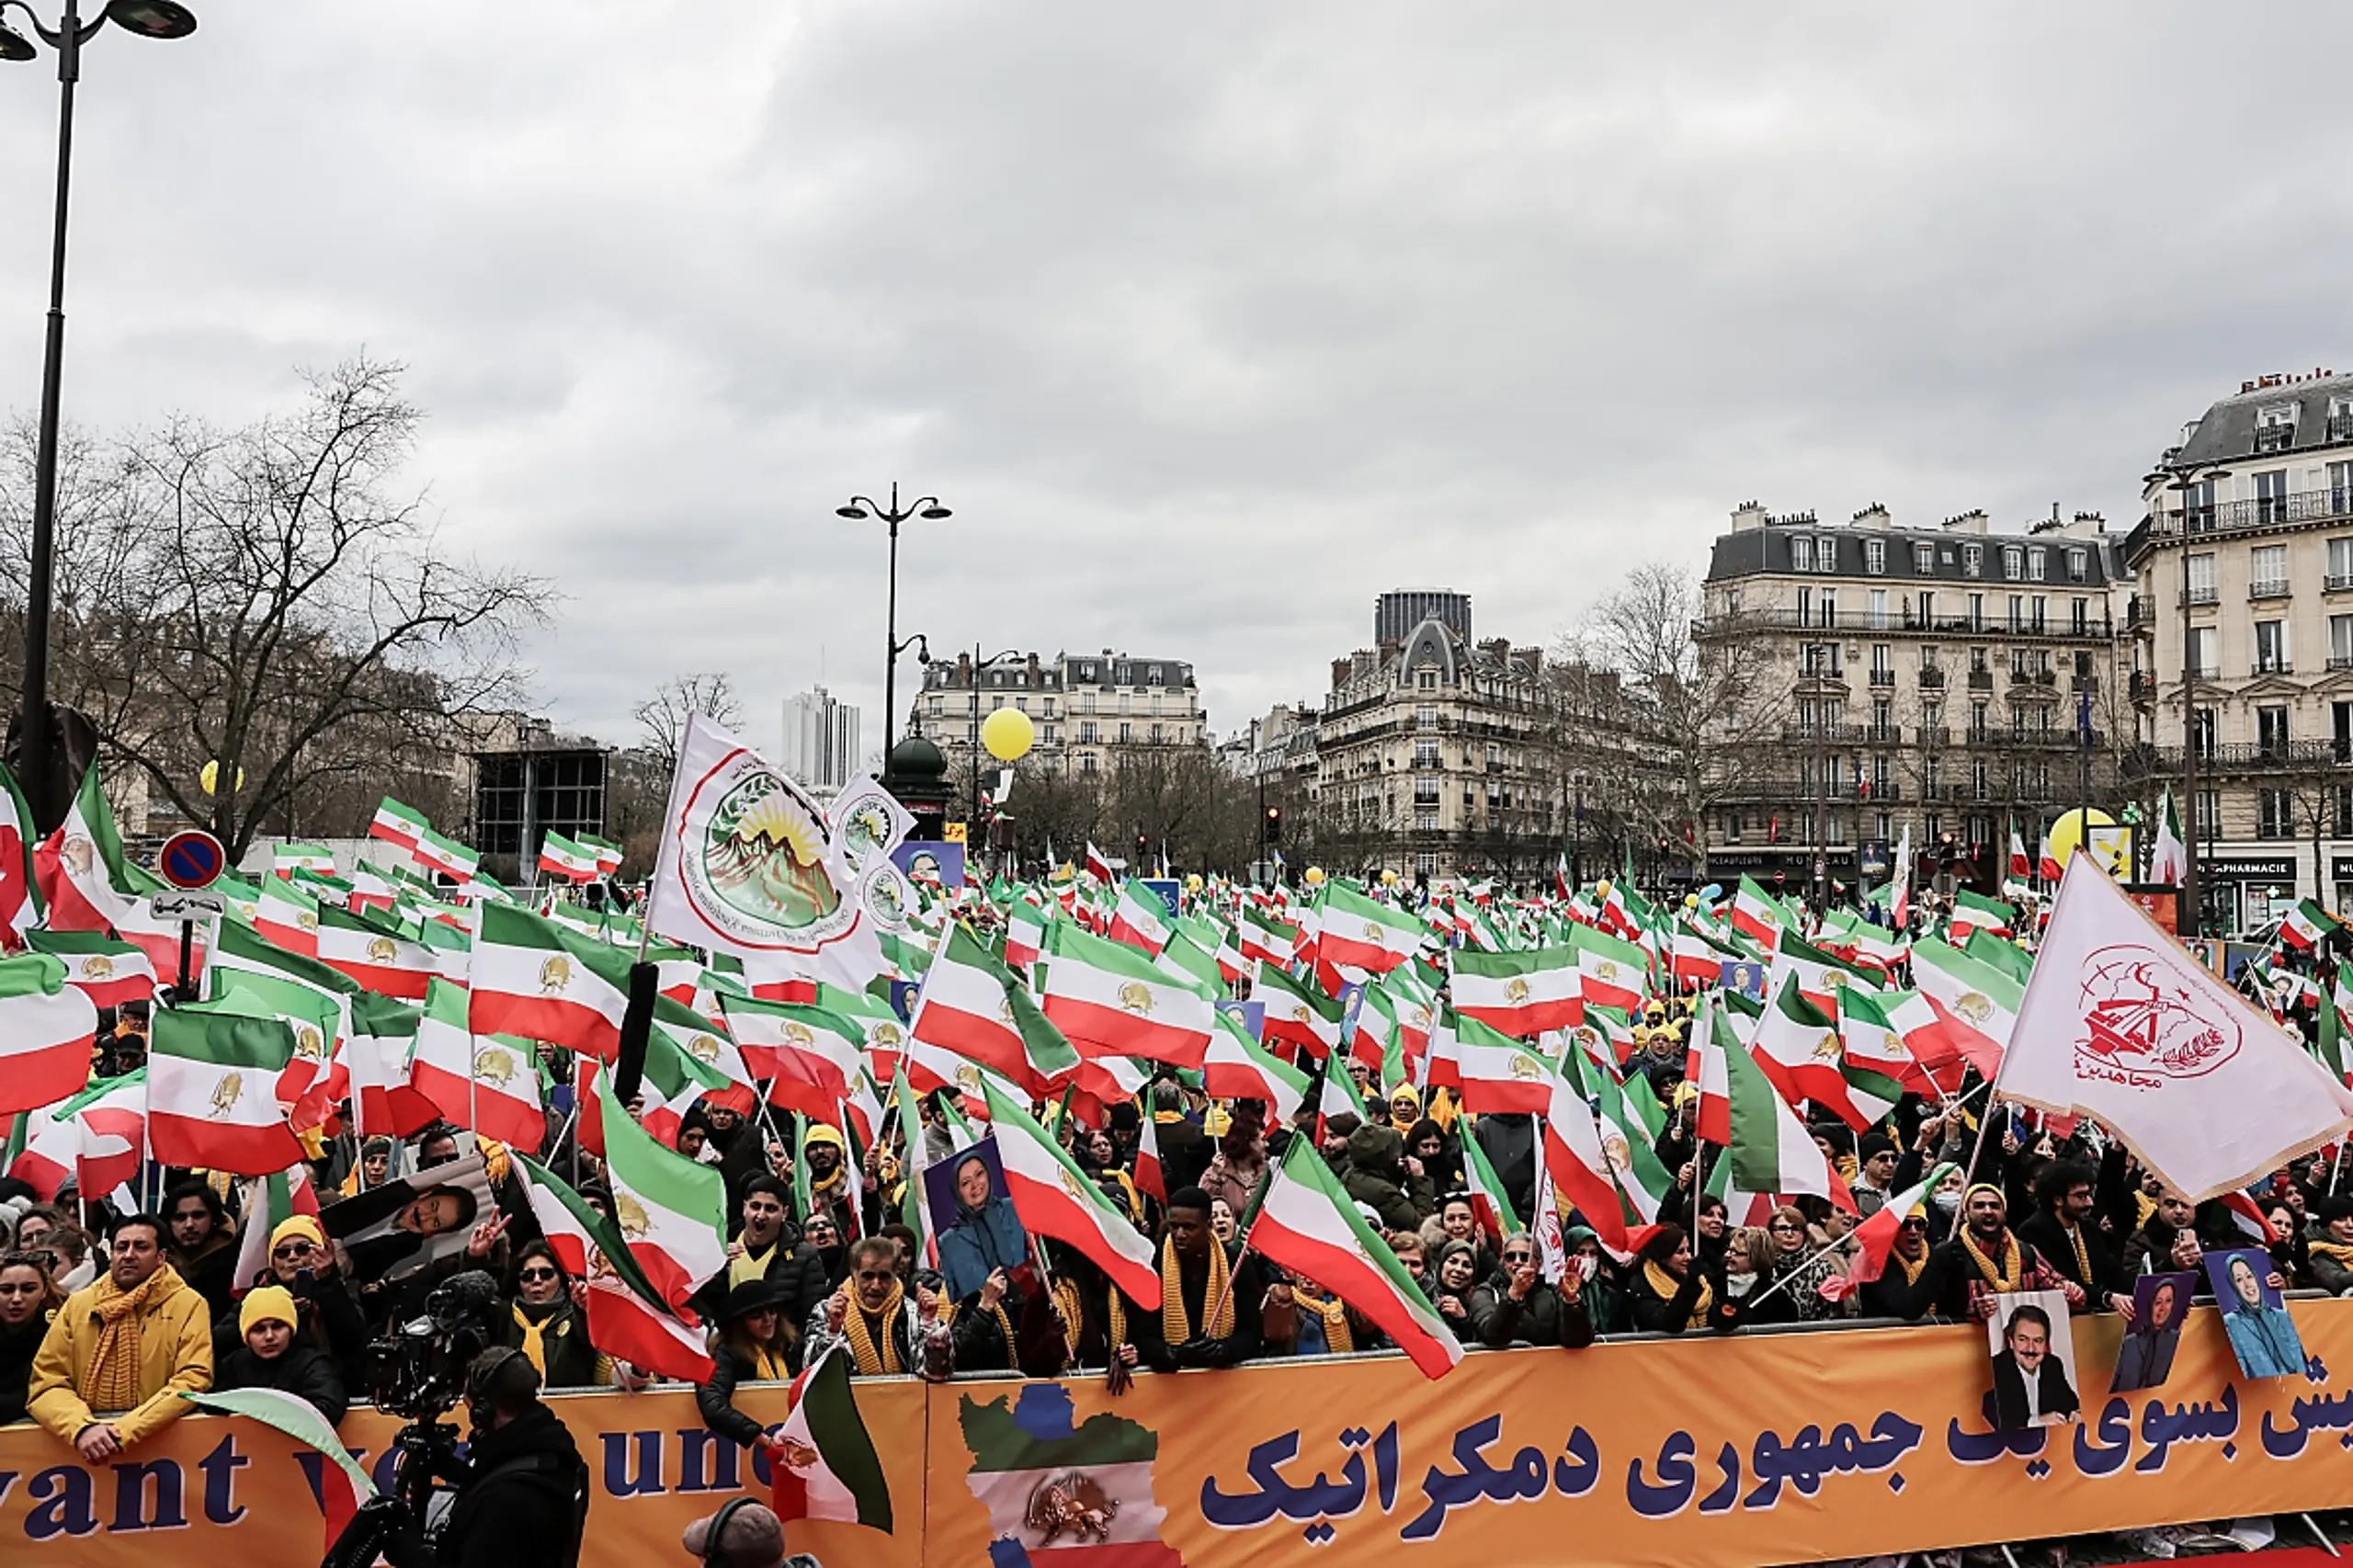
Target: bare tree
[[270, 600], [661, 718], [1707, 694]]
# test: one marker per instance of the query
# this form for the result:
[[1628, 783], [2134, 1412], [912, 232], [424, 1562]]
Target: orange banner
[[1764, 1449]]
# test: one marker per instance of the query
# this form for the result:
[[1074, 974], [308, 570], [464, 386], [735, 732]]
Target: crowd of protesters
[[107, 1316]]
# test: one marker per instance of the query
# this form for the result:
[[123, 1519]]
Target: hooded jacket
[[1376, 1176]]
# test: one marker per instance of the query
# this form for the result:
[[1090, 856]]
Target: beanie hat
[[306, 1226], [270, 1304]]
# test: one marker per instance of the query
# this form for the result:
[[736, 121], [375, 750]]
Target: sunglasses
[[539, 1274], [1518, 1257], [293, 1249]]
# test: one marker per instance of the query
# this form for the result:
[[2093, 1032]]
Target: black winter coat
[[519, 1510], [302, 1371]]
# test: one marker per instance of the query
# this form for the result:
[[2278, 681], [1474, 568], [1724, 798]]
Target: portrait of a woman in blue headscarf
[[979, 1231]]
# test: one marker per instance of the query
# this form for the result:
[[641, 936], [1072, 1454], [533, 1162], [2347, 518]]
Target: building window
[[1875, 557], [1087, 733], [2034, 563], [2206, 820], [2275, 813], [1879, 609], [1825, 552], [1425, 716], [2268, 571], [2340, 641], [2079, 617], [2271, 496], [2201, 732], [1829, 607], [1425, 791], [1425, 754], [1424, 821], [2077, 561], [1973, 559], [2013, 564], [2340, 551], [2201, 653], [1924, 560], [1800, 553], [1976, 613], [2271, 730], [2271, 647], [2202, 579], [1086, 762], [1426, 680], [1127, 734], [1425, 863], [1979, 786]]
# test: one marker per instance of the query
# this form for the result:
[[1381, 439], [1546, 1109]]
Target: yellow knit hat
[[306, 1226], [270, 1304]]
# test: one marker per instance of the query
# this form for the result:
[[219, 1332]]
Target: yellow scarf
[[2338, 1253], [114, 1360], [767, 1365], [1115, 1330], [1912, 1270], [1337, 1338], [1668, 1286], [746, 1266], [534, 1346], [1002, 1322], [2083, 1253], [2005, 1278], [1176, 1324], [873, 1360]]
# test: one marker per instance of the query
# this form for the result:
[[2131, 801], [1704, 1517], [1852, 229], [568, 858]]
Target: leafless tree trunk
[[661, 718]]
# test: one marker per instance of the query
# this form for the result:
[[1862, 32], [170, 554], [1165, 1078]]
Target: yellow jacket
[[175, 1357]]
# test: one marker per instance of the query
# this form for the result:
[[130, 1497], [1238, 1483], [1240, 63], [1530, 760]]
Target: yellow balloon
[[2068, 833], [1193, 882], [1691, 901], [1601, 889], [1389, 878], [1008, 735], [1315, 876], [210, 777]]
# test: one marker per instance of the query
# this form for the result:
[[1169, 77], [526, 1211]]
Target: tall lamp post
[[147, 19], [2185, 482], [858, 508]]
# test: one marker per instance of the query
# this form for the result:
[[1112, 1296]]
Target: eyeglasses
[[539, 1274], [292, 1249], [1518, 1257]]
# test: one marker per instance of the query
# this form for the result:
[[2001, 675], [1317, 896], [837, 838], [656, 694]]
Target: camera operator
[[524, 1500]]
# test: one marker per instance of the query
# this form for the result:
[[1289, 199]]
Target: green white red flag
[[343, 1483], [1875, 1237], [48, 1028], [1297, 1011], [1772, 1150], [1054, 1197], [568, 858], [672, 1211], [1361, 932], [534, 978], [1109, 999], [109, 971], [397, 823], [830, 1469], [486, 1084], [1306, 1224], [1522, 993], [627, 1317], [211, 1100]]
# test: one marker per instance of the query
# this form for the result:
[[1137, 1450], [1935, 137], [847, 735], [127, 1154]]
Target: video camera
[[417, 1372]]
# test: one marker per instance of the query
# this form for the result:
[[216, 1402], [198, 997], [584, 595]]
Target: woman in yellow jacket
[[133, 1343]]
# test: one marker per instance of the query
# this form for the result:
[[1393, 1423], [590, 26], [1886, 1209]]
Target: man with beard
[[829, 1187], [204, 1244], [1986, 1259], [889, 1331], [2067, 1233]]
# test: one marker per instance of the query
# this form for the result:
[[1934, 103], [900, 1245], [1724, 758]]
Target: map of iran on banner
[[2118, 1022], [749, 864]]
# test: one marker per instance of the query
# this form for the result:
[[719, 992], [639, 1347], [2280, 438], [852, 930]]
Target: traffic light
[[1274, 830]]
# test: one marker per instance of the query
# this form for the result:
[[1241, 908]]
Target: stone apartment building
[[1089, 710], [1944, 679], [2243, 566]]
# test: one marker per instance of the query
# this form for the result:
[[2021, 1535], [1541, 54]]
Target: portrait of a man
[[2034, 1382]]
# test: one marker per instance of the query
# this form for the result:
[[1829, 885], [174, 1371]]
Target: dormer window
[[1800, 553], [2275, 427]]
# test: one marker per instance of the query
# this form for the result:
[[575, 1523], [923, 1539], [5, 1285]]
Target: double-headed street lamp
[[859, 508], [147, 19], [2185, 481]]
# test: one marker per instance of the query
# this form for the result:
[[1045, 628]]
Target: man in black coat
[[528, 1500], [1508, 1140], [2067, 1229]]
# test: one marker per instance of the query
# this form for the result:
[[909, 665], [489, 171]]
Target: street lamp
[[147, 19], [858, 508], [2184, 480]]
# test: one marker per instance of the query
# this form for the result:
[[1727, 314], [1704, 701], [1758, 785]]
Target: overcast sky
[[1209, 320]]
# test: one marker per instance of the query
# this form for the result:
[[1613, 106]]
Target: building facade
[[1433, 757], [2244, 567], [1398, 611], [820, 740], [1089, 710], [1957, 679]]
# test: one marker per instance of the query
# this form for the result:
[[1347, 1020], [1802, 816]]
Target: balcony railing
[[2137, 613], [2098, 626], [2337, 582], [1882, 677], [2258, 511], [2271, 667], [2144, 686], [2340, 661], [1933, 678], [2207, 595], [1933, 735], [2254, 755], [2273, 588], [1980, 680]]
